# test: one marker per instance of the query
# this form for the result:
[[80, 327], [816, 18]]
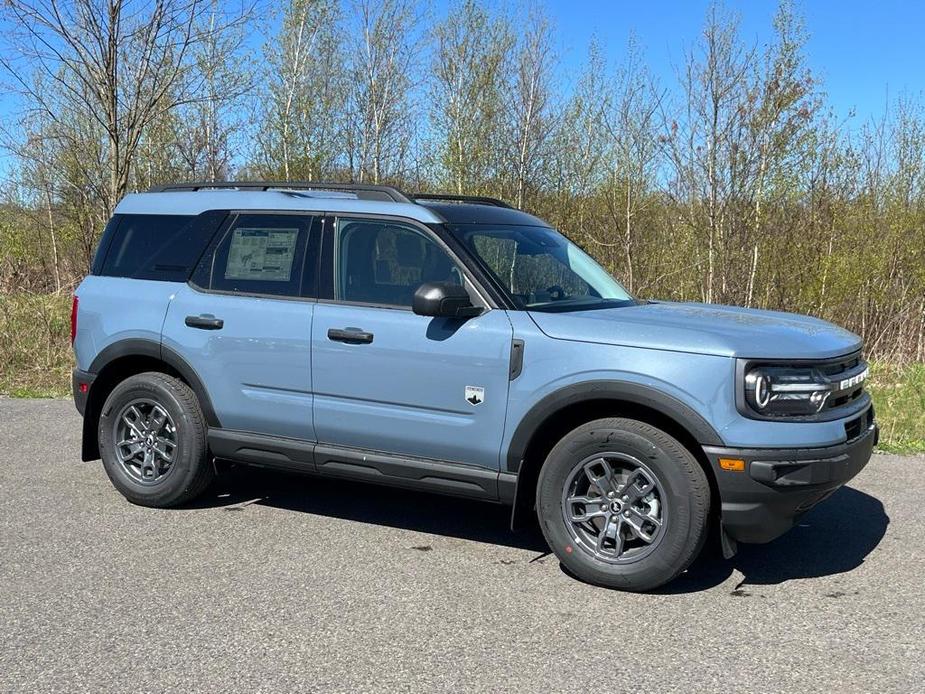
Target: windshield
[[542, 269]]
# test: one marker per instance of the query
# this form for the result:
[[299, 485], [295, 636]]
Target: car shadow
[[835, 537], [239, 485]]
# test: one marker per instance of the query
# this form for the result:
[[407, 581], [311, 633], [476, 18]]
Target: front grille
[[841, 366], [837, 370]]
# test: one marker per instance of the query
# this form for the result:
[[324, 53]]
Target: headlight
[[782, 391]]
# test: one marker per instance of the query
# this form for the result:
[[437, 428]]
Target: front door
[[245, 324], [388, 380]]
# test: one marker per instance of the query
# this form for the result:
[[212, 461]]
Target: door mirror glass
[[443, 300]]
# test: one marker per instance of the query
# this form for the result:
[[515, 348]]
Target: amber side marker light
[[732, 464]]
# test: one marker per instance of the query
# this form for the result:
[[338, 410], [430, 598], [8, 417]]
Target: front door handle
[[352, 336], [204, 322]]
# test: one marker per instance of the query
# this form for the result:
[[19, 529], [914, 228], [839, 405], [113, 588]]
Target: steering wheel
[[556, 292]]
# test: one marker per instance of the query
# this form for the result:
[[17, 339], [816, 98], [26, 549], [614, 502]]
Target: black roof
[[464, 213]]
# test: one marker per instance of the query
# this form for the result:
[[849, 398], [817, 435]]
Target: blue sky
[[863, 51], [860, 49]]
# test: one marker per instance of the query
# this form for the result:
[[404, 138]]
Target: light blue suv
[[453, 344]]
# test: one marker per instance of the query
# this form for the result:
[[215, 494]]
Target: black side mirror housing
[[443, 300]]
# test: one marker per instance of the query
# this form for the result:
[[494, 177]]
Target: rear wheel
[[152, 437], [623, 504]]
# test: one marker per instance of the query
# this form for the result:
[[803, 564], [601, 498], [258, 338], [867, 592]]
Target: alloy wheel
[[614, 507], [145, 439]]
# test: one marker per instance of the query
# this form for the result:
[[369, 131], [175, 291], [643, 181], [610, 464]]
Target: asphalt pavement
[[277, 582]]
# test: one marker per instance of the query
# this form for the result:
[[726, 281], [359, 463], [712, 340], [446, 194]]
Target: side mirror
[[443, 300]]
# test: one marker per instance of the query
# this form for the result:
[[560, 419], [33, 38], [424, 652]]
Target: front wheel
[[623, 504], [152, 437]]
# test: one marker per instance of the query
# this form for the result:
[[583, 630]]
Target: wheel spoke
[[640, 522], [156, 420], [611, 532], [134, 448], [590, 508], [164, 449], [134, 424], [600, 474], [149, 466], [637, 485]]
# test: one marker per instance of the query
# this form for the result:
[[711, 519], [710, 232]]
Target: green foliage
[[899, 399]]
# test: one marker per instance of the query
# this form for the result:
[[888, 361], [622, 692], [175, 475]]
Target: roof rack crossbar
[[363, 191], [474, 199]]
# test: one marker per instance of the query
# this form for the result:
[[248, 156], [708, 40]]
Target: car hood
[[703, 329]]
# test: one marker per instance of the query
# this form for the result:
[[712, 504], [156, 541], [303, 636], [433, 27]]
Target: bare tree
[[530, 104], [632, 125], [302, 127], [471, 58], [118, 64], [380, 111]]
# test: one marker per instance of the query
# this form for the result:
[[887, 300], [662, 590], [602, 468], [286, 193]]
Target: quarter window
[[384, 263], [155, 246]]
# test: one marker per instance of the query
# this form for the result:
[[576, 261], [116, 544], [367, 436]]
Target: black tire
[[681, 479], [191, 470]]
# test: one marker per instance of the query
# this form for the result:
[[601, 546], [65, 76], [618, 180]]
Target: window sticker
[[261, 254]]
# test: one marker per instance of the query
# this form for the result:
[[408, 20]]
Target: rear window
[[156, 247]]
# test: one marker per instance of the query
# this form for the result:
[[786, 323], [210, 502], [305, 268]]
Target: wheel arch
[[126, 358], [564, 410]]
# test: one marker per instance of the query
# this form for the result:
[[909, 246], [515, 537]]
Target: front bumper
[[763, 501]]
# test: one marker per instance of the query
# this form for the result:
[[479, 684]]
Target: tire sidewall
[[667, 464], [190, 441]]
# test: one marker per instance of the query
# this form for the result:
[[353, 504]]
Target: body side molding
[[455, 479]]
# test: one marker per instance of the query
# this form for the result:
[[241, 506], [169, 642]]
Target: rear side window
[[263, 254], [157, 247]]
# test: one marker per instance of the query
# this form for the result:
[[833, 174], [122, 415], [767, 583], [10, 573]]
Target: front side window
[[262, 254], [541, 269], [383, 262]]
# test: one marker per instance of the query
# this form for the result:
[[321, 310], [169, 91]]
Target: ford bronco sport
[[453, 344]]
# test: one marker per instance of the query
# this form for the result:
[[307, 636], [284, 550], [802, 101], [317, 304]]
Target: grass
[[35, 345], [36, 361], [899, 399]]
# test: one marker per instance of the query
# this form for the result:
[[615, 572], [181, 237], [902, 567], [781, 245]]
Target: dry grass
[[35, 346]]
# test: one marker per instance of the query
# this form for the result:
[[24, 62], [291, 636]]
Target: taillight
[[74, 319]]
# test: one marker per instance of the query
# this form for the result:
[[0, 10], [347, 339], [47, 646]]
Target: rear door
[[244, 322], [388, 380]]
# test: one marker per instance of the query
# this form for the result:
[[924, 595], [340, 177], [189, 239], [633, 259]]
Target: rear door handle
[[352, 336], [204, 322]]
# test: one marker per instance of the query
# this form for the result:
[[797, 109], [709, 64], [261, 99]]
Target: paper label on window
[[261, 254]]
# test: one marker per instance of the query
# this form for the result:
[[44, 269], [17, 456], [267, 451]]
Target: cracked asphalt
[[277, 582]]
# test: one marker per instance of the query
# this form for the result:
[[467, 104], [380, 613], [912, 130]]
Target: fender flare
[[636, 393], [142, 347]]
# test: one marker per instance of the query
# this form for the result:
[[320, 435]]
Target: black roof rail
[[363, 191], [474, 199]]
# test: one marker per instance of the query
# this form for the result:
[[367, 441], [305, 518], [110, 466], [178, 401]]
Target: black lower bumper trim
[[80, 387], [778, 485]]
